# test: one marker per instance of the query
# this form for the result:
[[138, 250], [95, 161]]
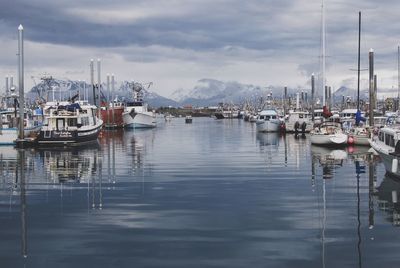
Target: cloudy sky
[[177, 42]]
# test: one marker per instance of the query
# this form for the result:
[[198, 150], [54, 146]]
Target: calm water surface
[[208, 194]]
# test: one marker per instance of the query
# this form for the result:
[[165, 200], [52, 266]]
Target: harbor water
[[213, 193]]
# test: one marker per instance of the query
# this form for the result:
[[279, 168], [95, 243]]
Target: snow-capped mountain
[[67, 88], [207, 92], [211, 92], [349, 92]]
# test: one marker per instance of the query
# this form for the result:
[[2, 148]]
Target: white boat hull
[[360, 140], [9, 135], [328, 139], [139, 120], [387, 158], [267, 126]]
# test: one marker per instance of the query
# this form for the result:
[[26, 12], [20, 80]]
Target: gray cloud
[[227, 39]]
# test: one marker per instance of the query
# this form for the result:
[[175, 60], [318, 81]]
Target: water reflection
[[21, 172], [69, 165], [267, 139], [91, 202], [329, 159], [387, 193]]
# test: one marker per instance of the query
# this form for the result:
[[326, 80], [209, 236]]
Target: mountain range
[[206, 92]]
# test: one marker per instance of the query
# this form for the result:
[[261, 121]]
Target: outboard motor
[[303, 127], [296, 127]]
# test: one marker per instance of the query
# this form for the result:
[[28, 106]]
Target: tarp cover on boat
[[70, 107]]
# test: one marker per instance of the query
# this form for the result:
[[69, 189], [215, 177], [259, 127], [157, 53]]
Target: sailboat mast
[[323, 55], [358, 67], [398, 77]]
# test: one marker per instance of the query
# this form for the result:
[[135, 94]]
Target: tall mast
[[358, 67], [323, 55], [398, 77]]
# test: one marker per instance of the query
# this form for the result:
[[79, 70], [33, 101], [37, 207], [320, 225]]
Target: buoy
[[350, 140], [395, 164]]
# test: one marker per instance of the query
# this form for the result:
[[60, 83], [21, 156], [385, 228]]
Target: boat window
[[389, 140], [94, 116], [134, 103], [85, 121], [60, 123], [273, 117], [381, 136], [300, 115], [72, 122], [261, 117], [267, 117]]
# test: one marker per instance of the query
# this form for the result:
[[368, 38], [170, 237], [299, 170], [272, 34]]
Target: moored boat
[[10, 121], [268, 121], [111, 114], [69, 124], [298, 121], [188, 119], [328, 134], [359, 136], [136, 114], [387, 144]]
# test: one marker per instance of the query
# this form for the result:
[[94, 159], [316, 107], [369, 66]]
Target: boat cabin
[[267, 115], [387, 137]]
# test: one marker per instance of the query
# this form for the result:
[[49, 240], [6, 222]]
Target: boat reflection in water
[[71, 164], [388, 193], [8, 162], [266, 139], [328, 158]]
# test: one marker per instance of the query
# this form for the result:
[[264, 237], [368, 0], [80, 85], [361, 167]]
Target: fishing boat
[[387, 145], [69, 123], [168, 117], [268, 121], [226, 111], [298, 121], [9, 122], [329, 133], [136, 114], [188, 119], [111, 114]]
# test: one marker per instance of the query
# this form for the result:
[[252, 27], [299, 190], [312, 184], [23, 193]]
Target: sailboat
[[329, 133], [359, 135]]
